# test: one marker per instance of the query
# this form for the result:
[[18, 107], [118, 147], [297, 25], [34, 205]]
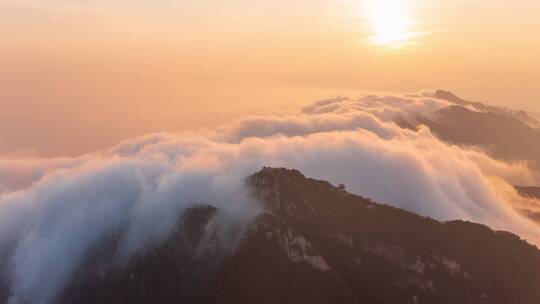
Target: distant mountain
[[501, 111], [504, 134], [316, 243]]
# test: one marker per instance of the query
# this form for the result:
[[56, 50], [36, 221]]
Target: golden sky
[[79, 75]]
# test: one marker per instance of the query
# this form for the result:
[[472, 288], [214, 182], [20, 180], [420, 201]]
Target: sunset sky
[[82, 75]]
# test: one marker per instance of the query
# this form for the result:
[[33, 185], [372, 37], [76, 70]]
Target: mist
[[53, 211]]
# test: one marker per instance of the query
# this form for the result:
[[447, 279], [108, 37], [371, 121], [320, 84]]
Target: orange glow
[[389, 21], [162, 65]]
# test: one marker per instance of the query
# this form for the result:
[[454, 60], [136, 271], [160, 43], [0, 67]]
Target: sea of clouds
[[53, 211]]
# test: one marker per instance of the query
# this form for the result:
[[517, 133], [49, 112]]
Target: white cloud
[[51, 218]]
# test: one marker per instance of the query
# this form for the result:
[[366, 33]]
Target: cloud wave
[[52, 211]]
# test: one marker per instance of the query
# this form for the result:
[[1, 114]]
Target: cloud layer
[[52, 211]]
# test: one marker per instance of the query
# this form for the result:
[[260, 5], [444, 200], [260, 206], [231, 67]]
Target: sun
[[389, 21]]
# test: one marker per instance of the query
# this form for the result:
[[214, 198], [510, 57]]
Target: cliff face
[[316, 243]]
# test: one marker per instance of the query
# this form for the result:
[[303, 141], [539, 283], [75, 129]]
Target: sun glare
[[389, 21]]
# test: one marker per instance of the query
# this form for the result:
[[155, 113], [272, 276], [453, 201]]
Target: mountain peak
[[315, 234], [267, 173], [447, 95], [503, 112], [288, 193]]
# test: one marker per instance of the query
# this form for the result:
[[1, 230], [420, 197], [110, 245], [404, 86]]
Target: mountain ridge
[[317, 243]]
